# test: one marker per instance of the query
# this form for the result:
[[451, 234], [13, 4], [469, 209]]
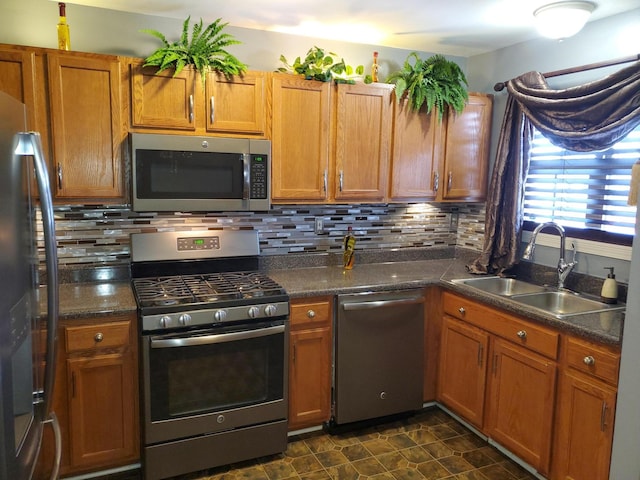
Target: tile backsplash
[[99, 235]]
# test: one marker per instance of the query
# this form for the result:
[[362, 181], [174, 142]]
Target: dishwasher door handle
[[350, 306]]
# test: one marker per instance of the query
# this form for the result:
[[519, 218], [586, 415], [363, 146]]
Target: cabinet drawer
[[593, 360], [521, 332], [104, 335], [312, 312]]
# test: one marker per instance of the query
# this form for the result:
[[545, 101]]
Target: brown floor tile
[[427, 446]]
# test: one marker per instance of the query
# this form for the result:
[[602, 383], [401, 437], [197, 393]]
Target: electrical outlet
[[319, 226], [453, 220]]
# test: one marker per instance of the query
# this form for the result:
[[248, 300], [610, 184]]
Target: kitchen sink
[[501, 286], [564, 303]]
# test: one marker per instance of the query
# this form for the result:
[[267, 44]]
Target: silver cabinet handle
[[59, 176], [382, 303], [191, 108], [436, 181], [480, 352], [212, 115], [589, 360], [311, 314], [522, 334], [98, 337], [603, 416], [341, 179], [325, 180], [462, 310], [449, 181]]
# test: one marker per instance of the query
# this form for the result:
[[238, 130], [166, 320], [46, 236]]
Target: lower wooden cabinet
[[463, 360], [520, 405], [498, 372], [586, 411], [95, 396], [310, 362]]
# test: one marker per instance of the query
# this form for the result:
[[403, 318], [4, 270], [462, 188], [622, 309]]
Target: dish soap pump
[[609, 292], [349, 257]]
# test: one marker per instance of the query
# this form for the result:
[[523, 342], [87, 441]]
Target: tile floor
[[429, 445]]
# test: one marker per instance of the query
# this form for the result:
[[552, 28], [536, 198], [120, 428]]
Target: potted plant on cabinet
[[436, 81], [205, 51], [320, 65]]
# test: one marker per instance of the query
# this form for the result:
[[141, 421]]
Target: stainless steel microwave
[[180, 173]]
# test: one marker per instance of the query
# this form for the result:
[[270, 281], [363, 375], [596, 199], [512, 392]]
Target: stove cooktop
[[205, 290]]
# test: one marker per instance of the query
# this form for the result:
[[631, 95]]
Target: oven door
[[206, 381]]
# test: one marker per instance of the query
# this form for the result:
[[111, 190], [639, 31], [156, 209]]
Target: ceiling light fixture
[[562, 19]]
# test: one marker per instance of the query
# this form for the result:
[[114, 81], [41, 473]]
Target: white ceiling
[[451, 27]]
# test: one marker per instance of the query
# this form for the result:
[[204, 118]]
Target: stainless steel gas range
[[214, 342]]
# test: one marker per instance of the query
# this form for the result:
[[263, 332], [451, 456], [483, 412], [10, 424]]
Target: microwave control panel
[[259, 176]]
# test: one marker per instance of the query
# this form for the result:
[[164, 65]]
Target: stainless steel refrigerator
[[27, 339]]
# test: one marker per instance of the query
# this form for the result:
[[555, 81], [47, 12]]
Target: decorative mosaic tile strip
[[99, 235]]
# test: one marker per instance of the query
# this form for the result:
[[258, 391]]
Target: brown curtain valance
[[588, 117]]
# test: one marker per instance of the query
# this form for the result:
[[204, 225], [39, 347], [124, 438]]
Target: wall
[[607, 39]]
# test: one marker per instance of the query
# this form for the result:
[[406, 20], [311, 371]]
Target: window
[[582, 190]]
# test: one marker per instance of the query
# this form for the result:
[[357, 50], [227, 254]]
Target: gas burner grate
[[206, 288]]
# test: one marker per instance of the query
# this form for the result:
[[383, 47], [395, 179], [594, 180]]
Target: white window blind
[[582, 190]]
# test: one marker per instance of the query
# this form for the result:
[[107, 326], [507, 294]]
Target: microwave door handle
[[246, 167]]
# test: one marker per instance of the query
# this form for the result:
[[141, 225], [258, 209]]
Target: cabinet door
[[300, 139], [466, 151], [17, 77], [585, 429], [84, 94], [101, 409], [236, 104], [521, 402], [363, 135], [309, 377], [413, 163], [163, 100], [463, 360]]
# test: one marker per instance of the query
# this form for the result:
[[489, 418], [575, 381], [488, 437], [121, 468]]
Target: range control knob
[[185, 319], [253, 312], [220, 315], [165, 321], [270, 310]]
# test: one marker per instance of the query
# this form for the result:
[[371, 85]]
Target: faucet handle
[[573, 259]]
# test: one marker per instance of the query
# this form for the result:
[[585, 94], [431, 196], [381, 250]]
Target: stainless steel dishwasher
[[379, 355]]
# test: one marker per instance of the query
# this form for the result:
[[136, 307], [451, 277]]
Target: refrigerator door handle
[[57, 435], [29, 143]]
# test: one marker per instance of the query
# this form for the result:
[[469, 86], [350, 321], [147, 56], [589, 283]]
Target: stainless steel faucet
[[564, 268]]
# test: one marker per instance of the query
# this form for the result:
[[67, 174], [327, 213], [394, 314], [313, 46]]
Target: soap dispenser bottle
[[609, 292], [349, 245]]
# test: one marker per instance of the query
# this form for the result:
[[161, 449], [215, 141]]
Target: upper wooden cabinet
[[330, 143], [167, 102], [74, 100], [87, 134], [300, 139], [465, 160], [441, 161], [17, 78]]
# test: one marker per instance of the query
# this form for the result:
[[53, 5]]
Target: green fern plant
[[436, 81], [322, 66], [205, 50]]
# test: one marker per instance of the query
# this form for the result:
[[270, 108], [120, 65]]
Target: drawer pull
[[98, 337], [589, 360], [462, 310], [522, 334], [311, 314]]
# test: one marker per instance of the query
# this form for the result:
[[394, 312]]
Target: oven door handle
[[157, 342]]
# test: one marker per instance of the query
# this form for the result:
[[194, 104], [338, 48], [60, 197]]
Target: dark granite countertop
[[111, 294], [305, 282]]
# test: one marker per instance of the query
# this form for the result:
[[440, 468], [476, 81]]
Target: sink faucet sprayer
[[564, 268]]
